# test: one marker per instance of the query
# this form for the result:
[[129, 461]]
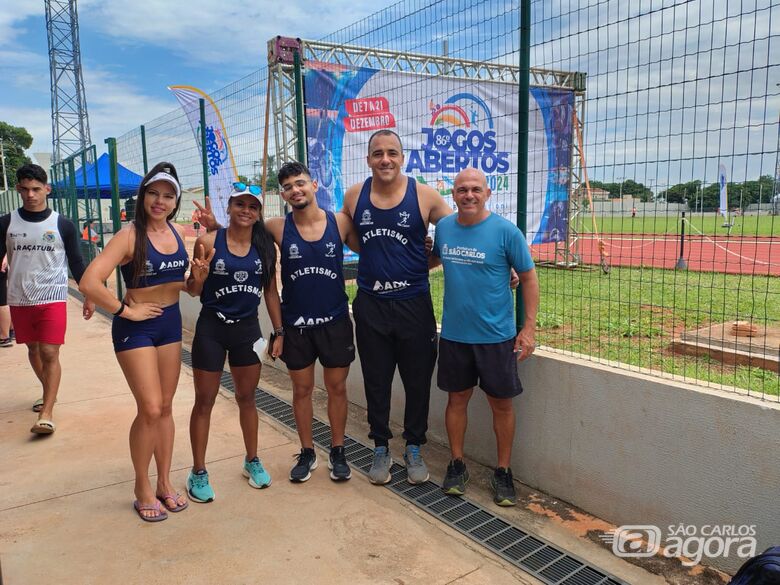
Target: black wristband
[[279, 332], [120, 309]]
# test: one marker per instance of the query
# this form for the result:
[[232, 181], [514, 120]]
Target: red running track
[[730, 254]]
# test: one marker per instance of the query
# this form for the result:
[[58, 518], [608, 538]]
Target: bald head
[[471, 174], [470, 193]]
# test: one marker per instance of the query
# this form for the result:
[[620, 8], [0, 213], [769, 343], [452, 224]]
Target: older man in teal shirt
[[479, 342]]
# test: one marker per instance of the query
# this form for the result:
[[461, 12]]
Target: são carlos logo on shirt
[[365, 219], [295, 254], [219, 267], [149, 268]]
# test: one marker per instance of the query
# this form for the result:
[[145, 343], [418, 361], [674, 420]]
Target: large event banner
[[219, 157], [446, 125]]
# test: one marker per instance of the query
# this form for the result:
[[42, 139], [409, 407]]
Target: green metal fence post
[[522, 138], [73, 207], [143, 148], [203, 152], [299, 108], [114, 173], [93, 148]]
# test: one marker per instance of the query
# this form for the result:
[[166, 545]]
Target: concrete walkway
[[65, 500]]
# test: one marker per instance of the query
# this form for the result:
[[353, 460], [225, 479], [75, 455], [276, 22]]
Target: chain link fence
[[678, 103]]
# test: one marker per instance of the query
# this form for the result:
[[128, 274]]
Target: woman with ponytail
[[146, 329], [242, 266]]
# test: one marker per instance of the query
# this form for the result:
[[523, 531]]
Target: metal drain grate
[[530, 553]]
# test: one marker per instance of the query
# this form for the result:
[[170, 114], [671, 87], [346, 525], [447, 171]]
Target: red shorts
[[40, 323]]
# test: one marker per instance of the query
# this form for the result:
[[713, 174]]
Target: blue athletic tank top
[[160, 268], [233, 286], [312, 277], [393, 263]]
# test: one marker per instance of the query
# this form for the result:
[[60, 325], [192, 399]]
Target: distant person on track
[[41, 246], [5, 311]]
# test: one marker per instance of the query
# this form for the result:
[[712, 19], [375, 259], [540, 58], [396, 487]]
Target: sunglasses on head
[[241, 186]]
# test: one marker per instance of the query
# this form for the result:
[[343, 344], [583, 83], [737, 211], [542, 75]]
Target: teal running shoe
[[198, 488], [258, 477]]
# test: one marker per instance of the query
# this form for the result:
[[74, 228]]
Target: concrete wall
[[627, 447]]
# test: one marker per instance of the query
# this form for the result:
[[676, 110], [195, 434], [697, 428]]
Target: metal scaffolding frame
[[70, 123], [287, 109]]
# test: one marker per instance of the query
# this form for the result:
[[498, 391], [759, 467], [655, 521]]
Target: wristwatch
[[279, 332]]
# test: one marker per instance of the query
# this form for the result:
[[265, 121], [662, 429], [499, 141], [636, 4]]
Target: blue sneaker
[[258, 477], [198, 488], [416, 470], [379, 473]]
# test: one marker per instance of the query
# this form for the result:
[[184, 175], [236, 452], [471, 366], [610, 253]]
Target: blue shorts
[[155, 332]]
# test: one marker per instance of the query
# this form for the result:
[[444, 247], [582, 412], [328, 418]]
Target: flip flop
[[38, 405], [140, 508], [175, 498], [43, 427]]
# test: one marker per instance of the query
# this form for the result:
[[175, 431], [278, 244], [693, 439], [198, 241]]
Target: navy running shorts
[[155, 332], [214, 339], [332, 343]]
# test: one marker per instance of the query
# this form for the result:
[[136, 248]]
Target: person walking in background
[[147, 329], [479, 342], [242, 260], [41, 246]]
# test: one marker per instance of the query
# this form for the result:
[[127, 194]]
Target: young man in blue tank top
[[315, 313], [394, 321], [479, 341]]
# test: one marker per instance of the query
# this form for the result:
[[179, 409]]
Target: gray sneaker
[[416, 470], [380, 466]]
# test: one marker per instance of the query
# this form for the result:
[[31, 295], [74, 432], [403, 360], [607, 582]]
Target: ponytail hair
[[263, 242]]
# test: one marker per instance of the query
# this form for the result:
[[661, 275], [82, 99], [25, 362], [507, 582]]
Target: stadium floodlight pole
[[203, 151], [522, 138]]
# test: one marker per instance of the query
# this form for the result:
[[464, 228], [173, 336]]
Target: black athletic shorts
[[491, 365], [214, 338], [3, 289], [332, 343]]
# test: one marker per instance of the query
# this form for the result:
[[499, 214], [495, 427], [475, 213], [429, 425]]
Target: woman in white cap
[[242, 267], [146, 329]]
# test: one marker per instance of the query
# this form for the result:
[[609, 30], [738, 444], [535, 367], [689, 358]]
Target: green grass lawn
[[709, 224], [632, 315]]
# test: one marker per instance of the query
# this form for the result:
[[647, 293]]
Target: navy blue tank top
[[234, 284], [312, 276], [160, 268], [393, 263]]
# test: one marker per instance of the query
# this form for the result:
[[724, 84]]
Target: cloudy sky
[[674, 87], [132, 50]]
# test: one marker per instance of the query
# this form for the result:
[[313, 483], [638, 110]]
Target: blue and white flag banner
[[446, 125], [723, 205], [221, 166]]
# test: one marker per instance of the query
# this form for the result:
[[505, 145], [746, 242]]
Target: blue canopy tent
[[128, 181]]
